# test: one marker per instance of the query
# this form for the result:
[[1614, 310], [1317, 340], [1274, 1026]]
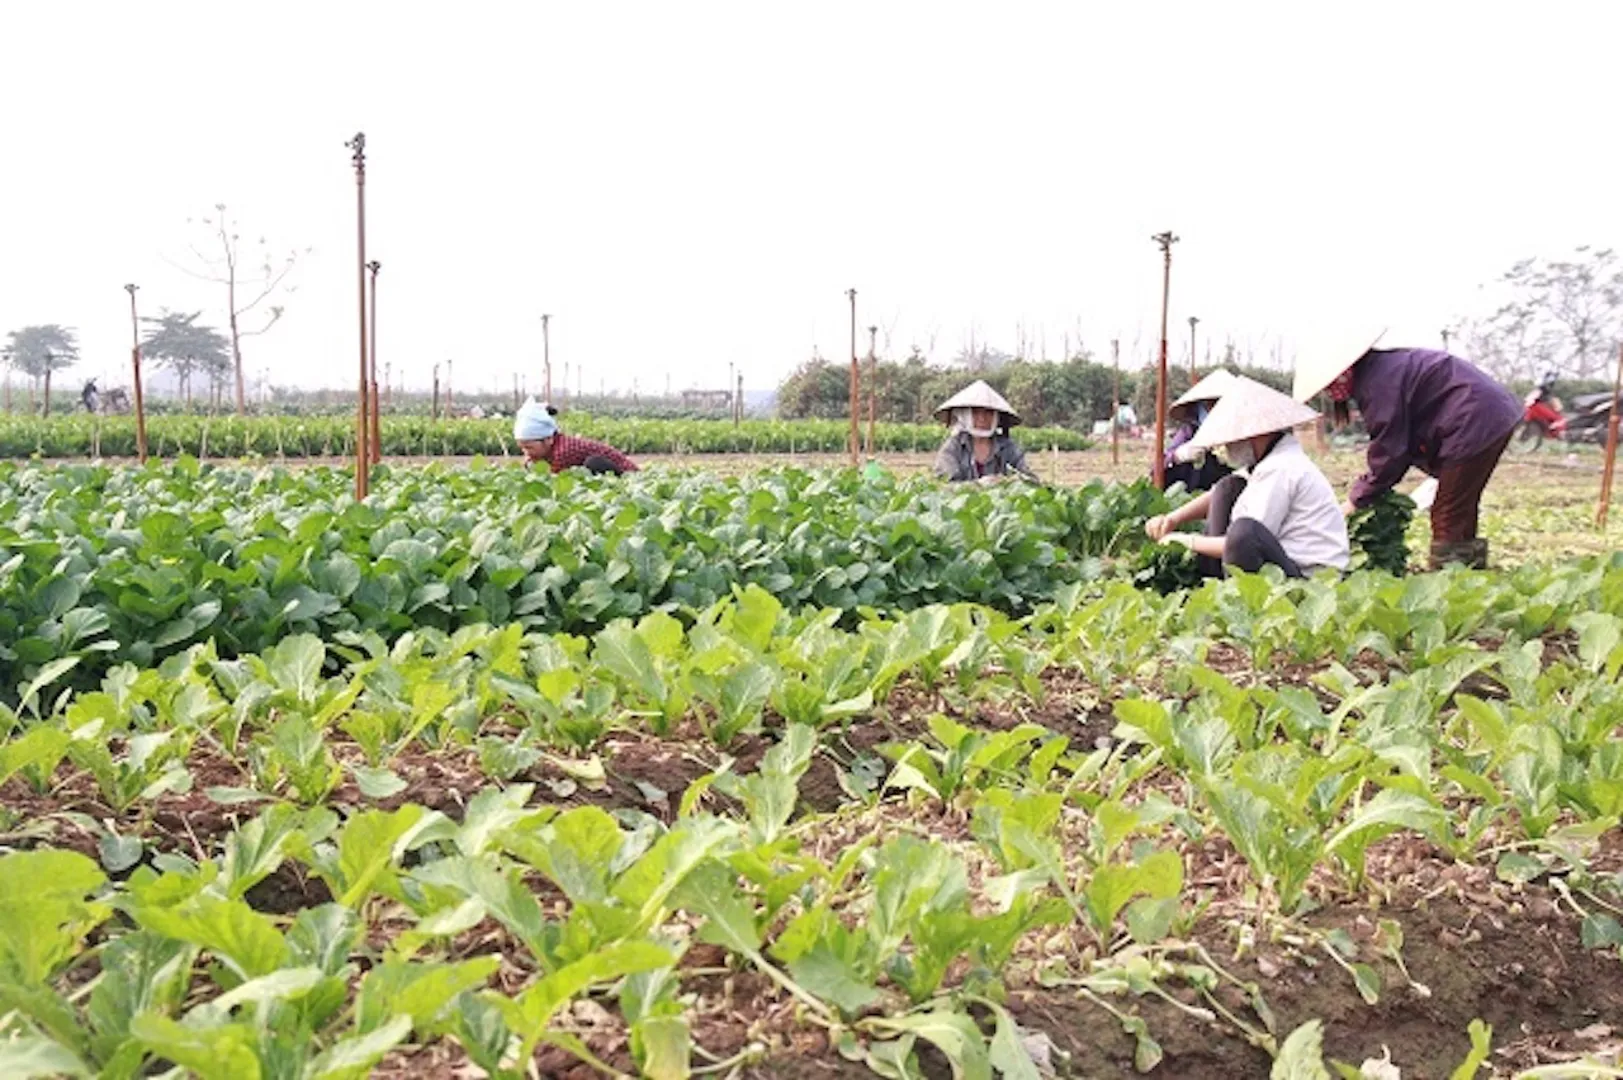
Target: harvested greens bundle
[[1379, 534], [1166, 568]]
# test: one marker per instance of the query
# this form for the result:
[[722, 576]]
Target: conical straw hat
[[978, 395], [1320, 367], [1249, 408], [1211, 388]]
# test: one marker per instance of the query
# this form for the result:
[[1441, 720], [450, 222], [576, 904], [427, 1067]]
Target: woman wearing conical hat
[[978, 446], [1281, 511], [1195, 469], [1426, 408]]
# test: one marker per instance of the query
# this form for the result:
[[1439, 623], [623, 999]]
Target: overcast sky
[[684, 185]]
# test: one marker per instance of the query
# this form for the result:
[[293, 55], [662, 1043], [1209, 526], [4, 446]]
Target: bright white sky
[[686, 184]]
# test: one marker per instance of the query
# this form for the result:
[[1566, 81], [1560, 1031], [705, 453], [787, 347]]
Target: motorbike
[[1543, 418]]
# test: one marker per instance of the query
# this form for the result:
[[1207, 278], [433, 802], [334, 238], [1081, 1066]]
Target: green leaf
[[1157, 876], [833, 978], [955, 1035], [1481, 1047], [223, 1052], [119, 853], [531, 1012], [1601, 931], [377, 783], [667, 1047], [370, 845], [419, 991], [1520, 868], [295, 666], [45, 911], [353, 1058], [1009, 1055], [1301, 1057], [730, 919], [230, 929], [25, 1058], [140, 972], [574, 850]]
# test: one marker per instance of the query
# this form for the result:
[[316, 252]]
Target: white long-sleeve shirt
[[1288, 494]]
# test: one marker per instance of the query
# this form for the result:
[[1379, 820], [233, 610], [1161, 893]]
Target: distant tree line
[[1070, 393]]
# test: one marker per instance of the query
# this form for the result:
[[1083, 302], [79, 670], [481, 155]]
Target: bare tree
[[1558, 314], [250, 280]]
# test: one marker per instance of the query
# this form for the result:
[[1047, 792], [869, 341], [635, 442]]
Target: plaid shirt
[[571, 452]]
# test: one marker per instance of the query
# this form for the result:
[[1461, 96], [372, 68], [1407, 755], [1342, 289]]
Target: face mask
[[964, 420], [1341, 388], [1241, 455]]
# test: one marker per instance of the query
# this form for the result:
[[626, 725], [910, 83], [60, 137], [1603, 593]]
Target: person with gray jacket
[[978, 446]]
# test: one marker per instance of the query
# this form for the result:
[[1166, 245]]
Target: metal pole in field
[[135, 364], [374, 405], [358, 159], [738, 400], [565, 394], [732, 406], [546, 355], [873, 383], [1192, 322], [1115, 404], [856, 377], [434, 404], [388, 384], [450, 400], [1611, 446], [1165, 241], [48, 359], [1445, 339]]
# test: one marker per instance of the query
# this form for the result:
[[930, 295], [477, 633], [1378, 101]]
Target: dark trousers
[[1459, 495], [1247, 543], [599, 463]]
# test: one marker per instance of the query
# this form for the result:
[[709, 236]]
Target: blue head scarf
[[533, 422]]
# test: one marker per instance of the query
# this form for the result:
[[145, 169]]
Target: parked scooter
[[1543, 418]]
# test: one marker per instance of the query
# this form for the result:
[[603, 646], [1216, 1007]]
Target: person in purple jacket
[[1429, 409]]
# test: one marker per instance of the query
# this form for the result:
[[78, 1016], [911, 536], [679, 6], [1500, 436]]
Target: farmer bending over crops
[[1283, 512], [1425, 408], [978, 447], [538, 436], [1195, 469]]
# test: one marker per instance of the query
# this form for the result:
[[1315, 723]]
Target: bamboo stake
[[1611, 447], [358, 159], [1165, 241], [856, 380], [135, 363]]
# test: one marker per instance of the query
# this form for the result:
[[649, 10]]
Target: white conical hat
[[1321, 365], [978, 395], [1211, 388], [1249, 408]]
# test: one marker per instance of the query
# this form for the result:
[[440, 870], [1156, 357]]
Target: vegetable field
[[80, 435], [790, 774]]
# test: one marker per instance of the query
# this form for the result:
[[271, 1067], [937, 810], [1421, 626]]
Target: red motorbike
[[1543, 418]]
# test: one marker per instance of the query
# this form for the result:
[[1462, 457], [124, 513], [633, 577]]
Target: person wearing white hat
[[1283, 512], [1424, 408], [536, 432], [1195, 469], [978, 446]]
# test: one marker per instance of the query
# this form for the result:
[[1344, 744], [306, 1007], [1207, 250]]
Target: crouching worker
[[978, 446], [1195, 469], [1278, 509], [538, 436]]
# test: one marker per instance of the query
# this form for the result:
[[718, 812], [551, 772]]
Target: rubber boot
[[1445, 552], [1479, 554]]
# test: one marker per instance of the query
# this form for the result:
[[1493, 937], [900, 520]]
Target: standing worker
[[1429, 409], [1281, 512], [1194, 468], [538, 436], [978, 446]]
